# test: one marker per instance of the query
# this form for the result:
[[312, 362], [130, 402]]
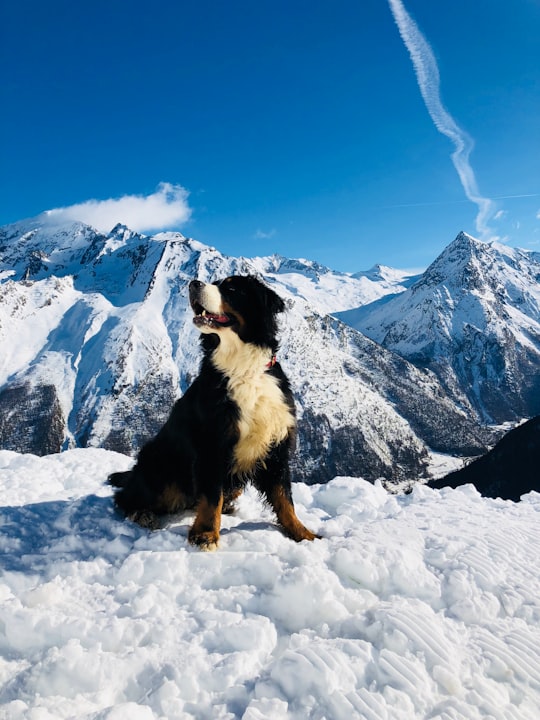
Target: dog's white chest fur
[[265, 418]]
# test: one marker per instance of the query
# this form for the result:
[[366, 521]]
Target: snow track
[[421, 606]]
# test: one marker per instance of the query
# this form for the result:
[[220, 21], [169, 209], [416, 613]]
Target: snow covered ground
[[418, 606]]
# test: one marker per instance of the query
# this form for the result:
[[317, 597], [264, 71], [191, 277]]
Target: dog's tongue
[[208, 317], [217, 318]]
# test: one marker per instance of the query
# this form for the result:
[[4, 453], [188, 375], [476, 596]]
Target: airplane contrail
[[512, 197], [427, 76], [457, 202]]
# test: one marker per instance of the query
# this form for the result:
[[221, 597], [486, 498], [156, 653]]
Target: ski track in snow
[[418, 606]]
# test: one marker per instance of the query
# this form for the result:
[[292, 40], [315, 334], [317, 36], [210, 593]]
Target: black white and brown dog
[[235, 424]]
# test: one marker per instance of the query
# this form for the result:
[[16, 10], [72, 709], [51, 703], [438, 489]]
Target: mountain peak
[[460, 265], [464, 238], [464, 245], [122, 232], [384, 273]]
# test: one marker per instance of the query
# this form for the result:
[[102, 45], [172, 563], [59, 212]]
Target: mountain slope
[[105, 343], [474, 319]]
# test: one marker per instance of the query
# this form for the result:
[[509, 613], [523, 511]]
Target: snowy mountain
[[98, 342], [329, 291], [473, 318], [415, 606]]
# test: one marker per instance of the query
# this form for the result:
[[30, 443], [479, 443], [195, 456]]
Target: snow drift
[[424, 605]]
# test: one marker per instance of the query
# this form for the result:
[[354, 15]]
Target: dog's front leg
[[205, 530], [279, 497], [275, 483]]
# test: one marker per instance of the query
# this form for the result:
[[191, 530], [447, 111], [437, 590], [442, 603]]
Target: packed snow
[[424, 605]]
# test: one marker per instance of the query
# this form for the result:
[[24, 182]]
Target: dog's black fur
[[235, 423]]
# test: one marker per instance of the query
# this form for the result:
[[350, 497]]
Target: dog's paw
[[311, 536], [206, 541], [300, 532], [229, 508], [146, 519]]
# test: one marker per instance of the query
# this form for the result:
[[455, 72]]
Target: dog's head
[[240, 304]]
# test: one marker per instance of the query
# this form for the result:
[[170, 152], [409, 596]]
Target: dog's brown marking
[[287, 517], [205, 530]]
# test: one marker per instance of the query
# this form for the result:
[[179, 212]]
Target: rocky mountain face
[[97, 342], [473, 318]]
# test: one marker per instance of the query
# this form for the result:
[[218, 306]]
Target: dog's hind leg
[[229, 498], [134, 500], [144, 503]]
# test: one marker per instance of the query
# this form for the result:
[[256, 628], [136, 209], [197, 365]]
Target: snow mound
[[426, 605]]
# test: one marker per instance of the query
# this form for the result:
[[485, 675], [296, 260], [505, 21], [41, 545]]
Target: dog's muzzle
[[206, 303]]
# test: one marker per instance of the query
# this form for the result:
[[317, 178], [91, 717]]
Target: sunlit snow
[[417, 606]]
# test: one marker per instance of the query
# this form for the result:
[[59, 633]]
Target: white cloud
[[500, 215], [427, 76], [262, 235], [538, 215], [166, 208]]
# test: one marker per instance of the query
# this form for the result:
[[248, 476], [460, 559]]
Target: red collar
[[272, 362]]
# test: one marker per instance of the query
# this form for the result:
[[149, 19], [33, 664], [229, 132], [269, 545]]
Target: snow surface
[[418, 606]]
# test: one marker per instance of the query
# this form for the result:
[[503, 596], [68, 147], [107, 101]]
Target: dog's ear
[[274, 303]]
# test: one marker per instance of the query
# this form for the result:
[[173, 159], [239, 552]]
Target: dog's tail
[[120, 479]]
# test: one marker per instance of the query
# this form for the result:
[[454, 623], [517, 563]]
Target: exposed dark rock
[[509, 470], [31, 419]]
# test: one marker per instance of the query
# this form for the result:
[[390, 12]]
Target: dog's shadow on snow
[[180, 524], [37, 536]]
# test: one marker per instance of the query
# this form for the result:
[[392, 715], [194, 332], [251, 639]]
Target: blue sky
[[299, 127]]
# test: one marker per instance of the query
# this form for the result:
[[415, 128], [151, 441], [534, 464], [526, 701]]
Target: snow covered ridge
[[97, 343], [473, 318], [425, 605]]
